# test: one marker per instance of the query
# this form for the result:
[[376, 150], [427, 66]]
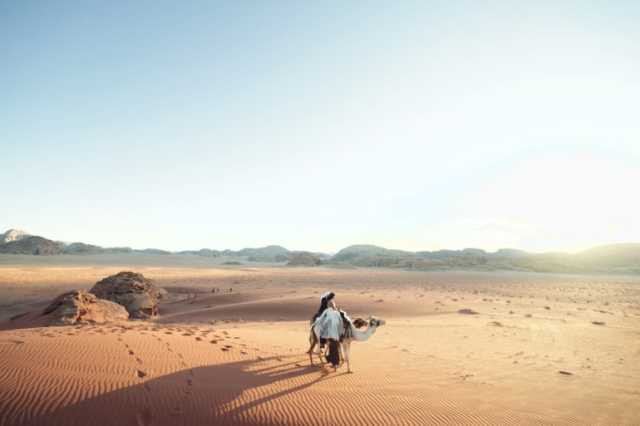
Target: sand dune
[[237, 357]]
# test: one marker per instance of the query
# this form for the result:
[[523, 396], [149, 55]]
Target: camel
[[345, 345]]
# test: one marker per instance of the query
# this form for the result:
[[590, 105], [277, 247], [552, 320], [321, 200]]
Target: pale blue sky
[[415, 125]]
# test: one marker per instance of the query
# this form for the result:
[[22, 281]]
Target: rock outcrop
[[78, 306], [137, 294]]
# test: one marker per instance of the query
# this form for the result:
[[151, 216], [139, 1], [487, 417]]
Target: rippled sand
[[541, 349]]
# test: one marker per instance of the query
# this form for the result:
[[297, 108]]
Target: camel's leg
[[347, 349], [312, 342], [323, 353]]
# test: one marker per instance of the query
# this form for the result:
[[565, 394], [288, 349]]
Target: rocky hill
[[12, 235], [617, 258], [268, 252], [365, 253], [202, 252], [304, 258], [32, 245], [82, 248]]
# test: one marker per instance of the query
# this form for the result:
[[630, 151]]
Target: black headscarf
[[324, 303]]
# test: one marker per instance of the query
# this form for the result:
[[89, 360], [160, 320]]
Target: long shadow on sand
[[235, 393]]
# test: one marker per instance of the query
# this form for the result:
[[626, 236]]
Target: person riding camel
[[330, 327], [324, 303]]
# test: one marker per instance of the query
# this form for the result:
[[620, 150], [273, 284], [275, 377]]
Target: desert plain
[[229, 347]]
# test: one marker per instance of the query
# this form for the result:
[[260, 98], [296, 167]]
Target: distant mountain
[[361, 252], [263, 251], [118, 250], [615, 258], [304, 258], [445, 254], [202, 252], [611, 256], [509, 252], [618, 258], [19, 242], [32, 245], [82, 248], [12, 235], [153, 251], [264, 254]]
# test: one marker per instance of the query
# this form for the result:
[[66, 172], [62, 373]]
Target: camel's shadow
[[203, 395]]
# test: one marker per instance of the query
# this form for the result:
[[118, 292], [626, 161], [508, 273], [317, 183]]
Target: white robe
[[329, 325]]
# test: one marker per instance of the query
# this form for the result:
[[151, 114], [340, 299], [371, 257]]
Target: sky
[[316, 125]]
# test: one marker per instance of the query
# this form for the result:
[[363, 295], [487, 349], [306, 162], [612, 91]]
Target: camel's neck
[[362, 336]]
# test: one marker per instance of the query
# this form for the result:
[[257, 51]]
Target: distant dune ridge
[[616, 258]]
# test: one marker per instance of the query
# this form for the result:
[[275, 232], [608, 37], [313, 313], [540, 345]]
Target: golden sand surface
[[540, 349]]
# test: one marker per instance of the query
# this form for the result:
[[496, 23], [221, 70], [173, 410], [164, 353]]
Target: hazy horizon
[[240, 247], [415, 126]]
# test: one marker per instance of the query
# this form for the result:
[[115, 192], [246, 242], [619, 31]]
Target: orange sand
[[237, 357]]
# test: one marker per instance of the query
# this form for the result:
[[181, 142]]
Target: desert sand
[[535, 349]]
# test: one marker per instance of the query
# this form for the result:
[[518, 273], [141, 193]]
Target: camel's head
[[359, 323], [376, 322]]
